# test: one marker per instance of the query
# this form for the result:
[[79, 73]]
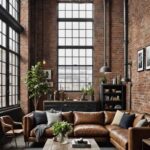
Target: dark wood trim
[[6, 17]]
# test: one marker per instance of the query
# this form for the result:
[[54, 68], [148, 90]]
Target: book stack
[[81, 143]]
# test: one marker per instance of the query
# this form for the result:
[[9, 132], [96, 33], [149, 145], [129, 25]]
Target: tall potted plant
[[36, 81]]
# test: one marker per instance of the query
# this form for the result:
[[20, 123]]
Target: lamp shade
[[105, 69]]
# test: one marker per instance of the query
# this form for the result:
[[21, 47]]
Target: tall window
[[75, 45], [9, 57]]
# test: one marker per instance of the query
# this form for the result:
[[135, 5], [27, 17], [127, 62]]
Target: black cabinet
[[112, 97], [87, 106]]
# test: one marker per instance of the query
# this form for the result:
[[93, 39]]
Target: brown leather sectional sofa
[[95, 125]]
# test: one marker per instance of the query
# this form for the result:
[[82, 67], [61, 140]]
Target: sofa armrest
[[28, 125], [136, 134]]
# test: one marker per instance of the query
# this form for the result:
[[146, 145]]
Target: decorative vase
[[62, 138]]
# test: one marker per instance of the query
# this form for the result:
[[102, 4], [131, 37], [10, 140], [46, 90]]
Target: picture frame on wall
[[147, 59], [49, 74], [140, 60]]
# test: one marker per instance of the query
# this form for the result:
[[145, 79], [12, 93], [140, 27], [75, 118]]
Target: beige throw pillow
[[53, 117], [142, 123], [117, 118]]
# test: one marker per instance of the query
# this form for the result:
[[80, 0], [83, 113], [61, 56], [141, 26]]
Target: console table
[[87, 106]]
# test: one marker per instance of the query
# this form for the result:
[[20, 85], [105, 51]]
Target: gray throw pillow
[[142, 123], [40, 117], [53, 117]]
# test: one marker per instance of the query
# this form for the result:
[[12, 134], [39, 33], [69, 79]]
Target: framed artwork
[[140, 60], [147, 49], [49, 74]]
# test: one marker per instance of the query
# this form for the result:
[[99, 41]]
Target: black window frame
[[14, 25], [75, 47]]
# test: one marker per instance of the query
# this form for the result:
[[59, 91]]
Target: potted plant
[[36, 81], [103, 79], [90, 91], [60, 130]]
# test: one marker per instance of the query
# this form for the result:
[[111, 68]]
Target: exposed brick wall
[[139, 37], [44, 39], [24, 52]]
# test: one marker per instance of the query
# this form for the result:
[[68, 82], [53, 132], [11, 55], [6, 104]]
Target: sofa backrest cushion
[[109, 116], [138, 117], [127, 120], [88, 118], [39, 117], [117, 118], [68, 116]]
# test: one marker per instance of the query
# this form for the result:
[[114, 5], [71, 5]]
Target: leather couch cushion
[[89, 118], [47, 133], [138, 117], [109, 116], [120, 136], [88, 130], [112, 127], [68, 116]]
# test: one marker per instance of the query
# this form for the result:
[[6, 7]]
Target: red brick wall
[[24, 52], [44, 38], [139, 37]]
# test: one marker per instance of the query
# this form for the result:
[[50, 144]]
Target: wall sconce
[[105, 68], [44, 62], [129, 71]]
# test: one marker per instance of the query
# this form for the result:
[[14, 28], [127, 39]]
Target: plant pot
[[63, 139]]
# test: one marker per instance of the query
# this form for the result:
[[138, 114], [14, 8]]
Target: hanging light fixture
[[105, 68]]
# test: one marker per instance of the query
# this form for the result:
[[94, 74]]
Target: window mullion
[[7, 65]]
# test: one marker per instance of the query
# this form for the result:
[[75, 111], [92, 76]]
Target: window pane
[[61, 25], [61, 6], [61, 33], [61, 61]]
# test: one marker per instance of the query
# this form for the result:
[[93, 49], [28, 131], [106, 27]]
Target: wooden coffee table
[[51, 145]]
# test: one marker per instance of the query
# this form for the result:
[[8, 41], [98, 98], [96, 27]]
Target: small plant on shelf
[[89, 91], [103, 79]]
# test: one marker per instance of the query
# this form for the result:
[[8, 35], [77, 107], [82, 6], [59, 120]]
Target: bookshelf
[[112, 97]]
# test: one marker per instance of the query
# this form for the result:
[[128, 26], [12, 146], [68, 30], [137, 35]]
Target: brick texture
[[24, 53], [139, 37], [43, 39]]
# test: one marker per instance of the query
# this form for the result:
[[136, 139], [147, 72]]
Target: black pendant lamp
[[105, 68]]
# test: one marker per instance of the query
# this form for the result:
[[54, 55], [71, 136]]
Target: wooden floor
[[10, 145]]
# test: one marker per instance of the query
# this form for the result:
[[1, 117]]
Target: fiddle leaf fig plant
[[36, 81]]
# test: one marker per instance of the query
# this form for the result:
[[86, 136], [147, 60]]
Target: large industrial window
[[75, 45], [9, 57]]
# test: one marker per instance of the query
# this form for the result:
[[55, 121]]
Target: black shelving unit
[[113, 97]]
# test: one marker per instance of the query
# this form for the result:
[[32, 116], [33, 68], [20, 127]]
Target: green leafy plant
[[103, 79], [36, 81], [89, 90], [61, 128]]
